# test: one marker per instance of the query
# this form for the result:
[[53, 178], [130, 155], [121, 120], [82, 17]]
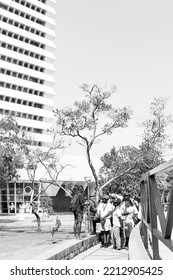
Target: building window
[[16, 12], [3, 57], [8, 85], [4, 19], [10, 21], [13, 87], [4, 32]]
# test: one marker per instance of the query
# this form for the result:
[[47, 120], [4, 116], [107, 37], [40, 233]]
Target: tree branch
[[55, 179], [116, 177]]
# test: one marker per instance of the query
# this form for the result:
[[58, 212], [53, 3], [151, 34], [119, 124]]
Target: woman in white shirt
[[104, 210], [129, 213]]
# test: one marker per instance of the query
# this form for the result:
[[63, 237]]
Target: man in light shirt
[[117, 222]]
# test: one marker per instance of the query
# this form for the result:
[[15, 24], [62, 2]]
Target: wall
[[69, 249], [61, 202]]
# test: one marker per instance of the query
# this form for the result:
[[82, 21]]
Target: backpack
[[74, 204]]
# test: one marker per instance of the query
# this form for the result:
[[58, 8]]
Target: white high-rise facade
[[26, 65]]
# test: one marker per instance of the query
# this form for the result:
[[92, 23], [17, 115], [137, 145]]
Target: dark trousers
[[123, 235], [94, 224]]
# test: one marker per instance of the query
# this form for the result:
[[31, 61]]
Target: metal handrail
[[153, 212]]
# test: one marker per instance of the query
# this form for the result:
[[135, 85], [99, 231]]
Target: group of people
[[115, 214]]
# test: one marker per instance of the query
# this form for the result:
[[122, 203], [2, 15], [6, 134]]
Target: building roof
[[52, 190]]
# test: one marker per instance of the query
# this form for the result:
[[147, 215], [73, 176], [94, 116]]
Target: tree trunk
[[94, 175], [116, 177], [38, 219], [32, 205]]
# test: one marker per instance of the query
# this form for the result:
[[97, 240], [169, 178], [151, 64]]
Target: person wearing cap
[[105, 209]]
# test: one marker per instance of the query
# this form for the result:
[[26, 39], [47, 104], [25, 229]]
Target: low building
[[17, 196]]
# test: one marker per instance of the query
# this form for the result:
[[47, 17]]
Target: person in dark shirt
[[93, 211], [78, 213]]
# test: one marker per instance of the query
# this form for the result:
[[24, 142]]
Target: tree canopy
[[12, 147], [137, 161], [115, 164], [91, 118]]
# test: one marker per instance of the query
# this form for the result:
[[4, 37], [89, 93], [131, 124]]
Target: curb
[[69, 249]]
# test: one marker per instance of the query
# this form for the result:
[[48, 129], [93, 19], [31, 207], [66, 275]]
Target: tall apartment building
[[26, 64]]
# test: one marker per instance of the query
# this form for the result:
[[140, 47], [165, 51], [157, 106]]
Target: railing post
[[145, 234], [169, 220], [144, 231], [153, 217]]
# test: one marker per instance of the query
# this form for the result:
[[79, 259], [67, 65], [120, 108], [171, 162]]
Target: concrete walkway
[[97, 253]]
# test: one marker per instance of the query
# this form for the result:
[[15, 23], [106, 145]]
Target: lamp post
[[88, 180]]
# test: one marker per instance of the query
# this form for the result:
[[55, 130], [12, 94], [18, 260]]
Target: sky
[[127, 43]]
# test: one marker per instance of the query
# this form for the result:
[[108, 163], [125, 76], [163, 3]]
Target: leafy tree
[[122, 170], [125, 166], [12, 147], [90, 119], [155, 139]]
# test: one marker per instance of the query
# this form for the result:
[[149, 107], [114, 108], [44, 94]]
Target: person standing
[[122, 229], [117, 222], [78, 211], [93, 211], [105, 209], [129, 214]]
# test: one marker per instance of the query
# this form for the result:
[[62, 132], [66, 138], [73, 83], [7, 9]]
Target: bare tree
[[50, 161]]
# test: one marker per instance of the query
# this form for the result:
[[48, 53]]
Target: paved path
[[97, 253]]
